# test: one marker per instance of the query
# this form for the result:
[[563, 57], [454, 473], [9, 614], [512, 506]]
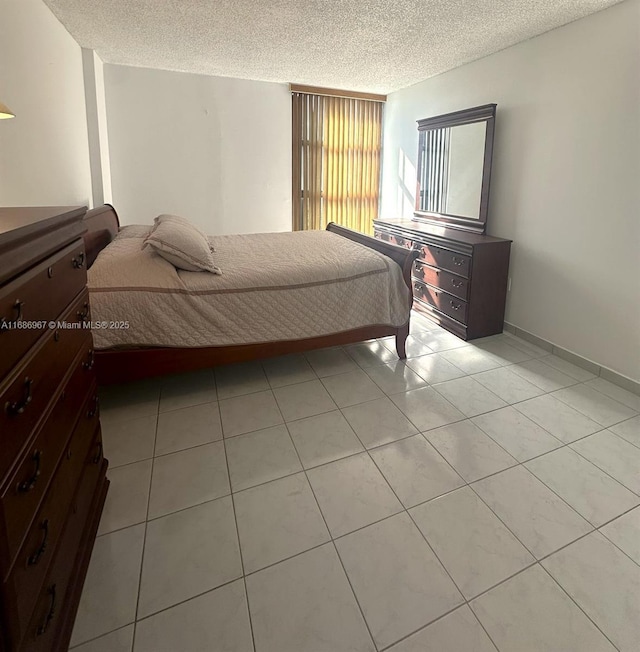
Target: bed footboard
[[404, 258]]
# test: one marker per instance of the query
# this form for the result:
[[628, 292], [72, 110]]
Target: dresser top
[[29, 234], [443, 232]]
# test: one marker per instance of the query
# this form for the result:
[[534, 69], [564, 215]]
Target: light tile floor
[[481, 495]]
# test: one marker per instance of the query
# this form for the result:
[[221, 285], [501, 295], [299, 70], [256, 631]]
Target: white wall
[[44, 154], [566, 176], [216, 150]]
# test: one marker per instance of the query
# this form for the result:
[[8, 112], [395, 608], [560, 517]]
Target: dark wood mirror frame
[[485, 113]]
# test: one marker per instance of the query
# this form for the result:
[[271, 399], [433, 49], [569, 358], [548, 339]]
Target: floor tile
[[505, 352], [110, 590], [248, 413], [414, 346], [178, 559], [303, 400], [188, 478], [471, 452], [309, 601], [458, 631], [127, 497], [531, 613], [288, 370], [395, 377], [184, 390], [559, 419], [614, 455], [614, 606], [516, 433], [352, 493], [625, 533], [524, 345], [129, 441], [238, 379], [469, 396], [510, 387], [421, 324], [542, 375], [472, 360], [119, 641], [426, 408], [370, 354], [261, 456], [129, 401], [378, 422], [399, 583], [615, 392], [593, 494], [541, 520], [329, 362], [187, 427], [580, 374], [596, 406], [323, 438], [471, 542], [352, 388], [218, 620], [278, 520], [434, 368], [441, 340], [629, 430], [415, 470]]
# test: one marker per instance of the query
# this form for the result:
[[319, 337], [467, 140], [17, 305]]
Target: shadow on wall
[[406, 198]]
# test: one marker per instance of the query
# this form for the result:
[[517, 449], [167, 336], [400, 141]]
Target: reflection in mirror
[[452, 164], [454, 168]]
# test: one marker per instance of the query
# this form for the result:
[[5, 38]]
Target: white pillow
[[166, 217], [183, 245]]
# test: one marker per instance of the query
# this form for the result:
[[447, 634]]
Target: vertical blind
[[434, 168], [336, 161]]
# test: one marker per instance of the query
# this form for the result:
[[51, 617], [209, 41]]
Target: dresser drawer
[[25, 398], [23, 492], [39, 295], [393, 239], [446, 303], [49, 613], [445, 259], [34, 557], [456, 285]]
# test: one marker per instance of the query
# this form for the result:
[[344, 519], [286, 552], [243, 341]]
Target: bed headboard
[[102, 226]]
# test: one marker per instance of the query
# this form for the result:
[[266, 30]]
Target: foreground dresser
[[459, 279], [52, 472]]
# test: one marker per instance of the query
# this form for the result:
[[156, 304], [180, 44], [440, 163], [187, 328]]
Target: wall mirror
[[454, 168]]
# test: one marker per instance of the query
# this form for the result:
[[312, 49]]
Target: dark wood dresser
[[459, 279], [52, 471]]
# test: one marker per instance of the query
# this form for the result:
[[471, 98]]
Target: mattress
[[274, 286]]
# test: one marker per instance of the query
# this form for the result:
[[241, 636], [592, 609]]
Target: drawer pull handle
[[94, 410], [98, 456], [18, 306], [78, 262], [88, 366], [455, 306], [52, 611], [27, 485], [457, 261], [35, 557], [18, 406], [456, 284], [84, 313]]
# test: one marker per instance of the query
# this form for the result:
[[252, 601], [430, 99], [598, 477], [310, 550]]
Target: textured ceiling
[[373, 45]]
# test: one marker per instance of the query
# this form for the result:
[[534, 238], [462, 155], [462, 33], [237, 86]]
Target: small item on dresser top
[[182, 244]]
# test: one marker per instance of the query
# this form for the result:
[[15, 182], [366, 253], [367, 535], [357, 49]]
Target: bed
[[279, 293]]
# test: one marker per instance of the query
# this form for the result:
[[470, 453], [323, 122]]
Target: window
[[337, 143]]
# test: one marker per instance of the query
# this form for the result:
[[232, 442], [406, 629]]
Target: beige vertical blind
[[336, 161]]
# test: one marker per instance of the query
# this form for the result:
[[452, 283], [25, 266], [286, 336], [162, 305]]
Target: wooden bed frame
[[122, 365]]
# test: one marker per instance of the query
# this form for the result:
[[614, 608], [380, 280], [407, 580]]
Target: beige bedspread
[[274, 286]]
